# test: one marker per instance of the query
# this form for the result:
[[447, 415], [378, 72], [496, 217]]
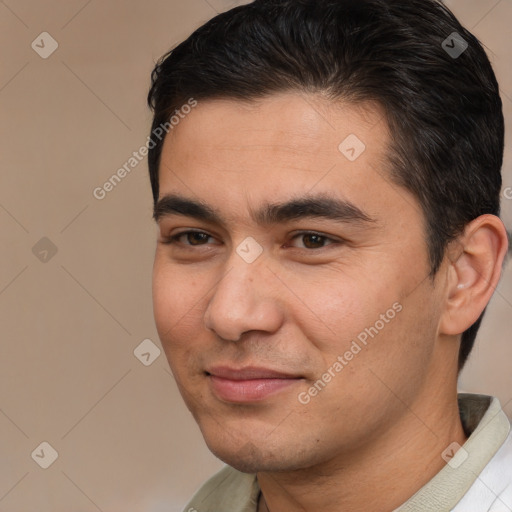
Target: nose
[[245, 299]]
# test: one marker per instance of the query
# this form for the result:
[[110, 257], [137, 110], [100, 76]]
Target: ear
[[475, 264]]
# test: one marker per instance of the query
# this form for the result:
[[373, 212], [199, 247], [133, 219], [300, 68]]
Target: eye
[[312, 240], [192, 238]]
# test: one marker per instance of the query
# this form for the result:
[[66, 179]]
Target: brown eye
[[190, 238], [196, 237], [313, 240]]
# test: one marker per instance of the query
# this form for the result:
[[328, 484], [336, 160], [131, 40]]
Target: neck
[[378, 477]]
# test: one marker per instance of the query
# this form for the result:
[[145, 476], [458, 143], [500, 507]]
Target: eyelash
[[174, 239]]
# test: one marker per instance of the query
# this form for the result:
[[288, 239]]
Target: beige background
[[68, 374]]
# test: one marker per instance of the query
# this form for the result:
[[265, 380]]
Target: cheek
[[339, 307], [176, 299], [175, 311], [366, 317]]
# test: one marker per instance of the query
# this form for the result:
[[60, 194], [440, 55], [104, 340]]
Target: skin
[[375, 434]]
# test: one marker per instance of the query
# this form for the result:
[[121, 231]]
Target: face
[[294, 306]]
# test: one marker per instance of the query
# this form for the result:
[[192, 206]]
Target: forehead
[[307, 123], [283, 145]]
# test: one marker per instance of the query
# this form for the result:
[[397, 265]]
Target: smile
[[248, 384]]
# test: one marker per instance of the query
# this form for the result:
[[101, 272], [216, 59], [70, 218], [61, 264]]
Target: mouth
[[249, 384]]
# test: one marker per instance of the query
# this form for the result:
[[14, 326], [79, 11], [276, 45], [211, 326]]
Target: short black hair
[[440, 97]]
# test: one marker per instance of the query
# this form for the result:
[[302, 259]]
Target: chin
[[249, 457], [249, 460]]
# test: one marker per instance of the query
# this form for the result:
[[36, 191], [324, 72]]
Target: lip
[[248, 384], [248, 373]]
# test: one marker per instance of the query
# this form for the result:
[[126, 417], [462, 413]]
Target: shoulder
[[228, 490], [492, 489]]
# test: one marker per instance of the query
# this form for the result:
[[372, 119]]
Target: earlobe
[[475, 263]]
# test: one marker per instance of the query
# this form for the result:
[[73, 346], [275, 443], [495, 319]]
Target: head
[[295, 110]]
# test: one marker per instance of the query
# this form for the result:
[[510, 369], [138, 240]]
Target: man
[[327, 197]]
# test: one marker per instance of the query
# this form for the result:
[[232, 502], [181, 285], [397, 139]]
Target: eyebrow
[[304, 207]]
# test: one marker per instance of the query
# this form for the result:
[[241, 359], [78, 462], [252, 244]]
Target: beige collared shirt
[[478, 478]]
